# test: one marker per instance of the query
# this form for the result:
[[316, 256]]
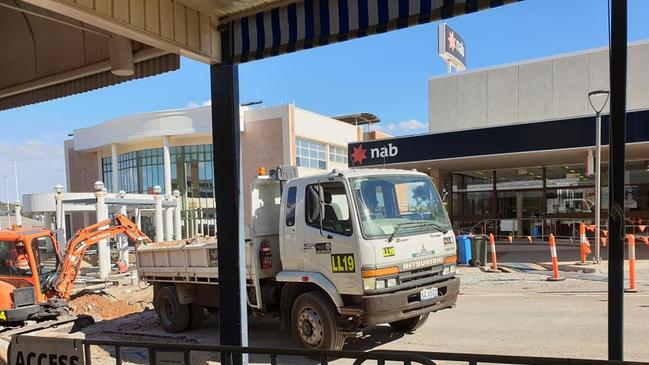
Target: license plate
[[428, 294]]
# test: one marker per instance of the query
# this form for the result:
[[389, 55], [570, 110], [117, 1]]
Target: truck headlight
[[392, 282], [378, 283], [369, 283]]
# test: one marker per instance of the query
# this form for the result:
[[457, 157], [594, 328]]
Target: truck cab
[[28, 257], [378, 242]]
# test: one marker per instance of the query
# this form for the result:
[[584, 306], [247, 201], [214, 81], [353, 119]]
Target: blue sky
[[385, 74]]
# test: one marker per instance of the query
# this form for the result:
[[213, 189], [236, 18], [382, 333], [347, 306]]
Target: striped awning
[[310, 23]]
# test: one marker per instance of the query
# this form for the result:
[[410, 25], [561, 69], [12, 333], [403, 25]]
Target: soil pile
[[101, 306]]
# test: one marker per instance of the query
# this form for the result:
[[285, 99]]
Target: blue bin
[[463, 249], [536, 231]]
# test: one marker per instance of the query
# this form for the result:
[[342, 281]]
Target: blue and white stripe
[[311, 23]]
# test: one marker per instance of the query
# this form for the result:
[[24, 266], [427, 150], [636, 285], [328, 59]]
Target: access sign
[[32, 350]]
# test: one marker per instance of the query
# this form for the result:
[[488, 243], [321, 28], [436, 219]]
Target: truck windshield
[[398, 205], [14, 260]]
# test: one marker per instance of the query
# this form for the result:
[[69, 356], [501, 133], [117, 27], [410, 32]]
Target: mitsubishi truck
[[328, 254]]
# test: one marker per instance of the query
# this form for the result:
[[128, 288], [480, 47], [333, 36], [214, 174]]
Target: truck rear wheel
[[409, 325], [313, 319], [173, 316]]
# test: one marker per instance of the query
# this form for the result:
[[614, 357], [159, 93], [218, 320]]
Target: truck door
[[329, 243]]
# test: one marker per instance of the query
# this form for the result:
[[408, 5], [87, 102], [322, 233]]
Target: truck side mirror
[[321, 206]]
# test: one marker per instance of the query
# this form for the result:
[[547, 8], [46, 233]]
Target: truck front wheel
[[313, 319], [174, 317], [409, 325]]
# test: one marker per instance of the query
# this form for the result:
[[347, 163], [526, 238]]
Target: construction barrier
[[555, 261], [630, 240], [584, 245], [492, 244]]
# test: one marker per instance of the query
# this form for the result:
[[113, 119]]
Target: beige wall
[[261, 146], [550, 88], [83, 169]]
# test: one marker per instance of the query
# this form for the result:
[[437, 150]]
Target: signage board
[[451, 46], [28, 350]]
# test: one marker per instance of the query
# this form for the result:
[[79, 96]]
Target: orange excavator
[[35, 280]]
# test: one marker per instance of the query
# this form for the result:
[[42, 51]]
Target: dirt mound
[[102, 306]]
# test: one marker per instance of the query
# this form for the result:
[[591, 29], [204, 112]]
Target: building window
[[310, 154], [337, 154], [107, 173]]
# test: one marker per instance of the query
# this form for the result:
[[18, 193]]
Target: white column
[[19, 218], [103, 247], [166, 160], [115, 168], [123, 241], [159, 221], [169, 221], [178, 232], [138, 218]]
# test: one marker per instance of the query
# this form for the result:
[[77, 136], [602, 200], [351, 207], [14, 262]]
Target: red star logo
[[359, 154], [451, 41]]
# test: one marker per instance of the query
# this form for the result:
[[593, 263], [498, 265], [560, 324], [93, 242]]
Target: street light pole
[[598, 166]]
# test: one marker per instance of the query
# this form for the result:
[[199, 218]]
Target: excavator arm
[[82, 240]]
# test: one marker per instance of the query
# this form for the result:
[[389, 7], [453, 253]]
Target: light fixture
[[176, 193], [121, 194], [120, 52], [58, 188], [99, 185], [157, 189], [598, 100]]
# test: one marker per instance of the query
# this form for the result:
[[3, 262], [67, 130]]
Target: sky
[[384, 74]]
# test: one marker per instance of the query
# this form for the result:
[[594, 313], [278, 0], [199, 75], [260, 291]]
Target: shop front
[[519, 180]]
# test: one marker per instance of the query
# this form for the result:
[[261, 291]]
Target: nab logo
[[359, 154], [385, 151], [454, 44]]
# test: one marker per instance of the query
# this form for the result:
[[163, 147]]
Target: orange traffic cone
[[630, 240], [555, 261]]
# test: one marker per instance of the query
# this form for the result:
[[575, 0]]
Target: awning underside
[[43, 59]]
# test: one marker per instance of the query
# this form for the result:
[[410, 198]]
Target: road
[[507, 313]]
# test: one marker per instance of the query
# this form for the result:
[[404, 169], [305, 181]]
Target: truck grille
[[420, 276], [24, 296]]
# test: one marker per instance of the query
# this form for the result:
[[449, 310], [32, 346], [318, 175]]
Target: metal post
[[103, 247], [598, 186], [233, 326], [19, 218], [178, 233], [617, 140]]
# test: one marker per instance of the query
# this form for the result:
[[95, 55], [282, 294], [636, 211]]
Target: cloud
[[193, 104], [411, 124], [40, 164], [405, 127]]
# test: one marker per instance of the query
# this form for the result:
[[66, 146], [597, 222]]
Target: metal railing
[[229, 355]]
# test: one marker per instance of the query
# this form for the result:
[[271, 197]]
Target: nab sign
[[377, 154], [452, 47]]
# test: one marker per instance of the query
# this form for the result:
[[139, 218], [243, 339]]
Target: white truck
[[329, 254]]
